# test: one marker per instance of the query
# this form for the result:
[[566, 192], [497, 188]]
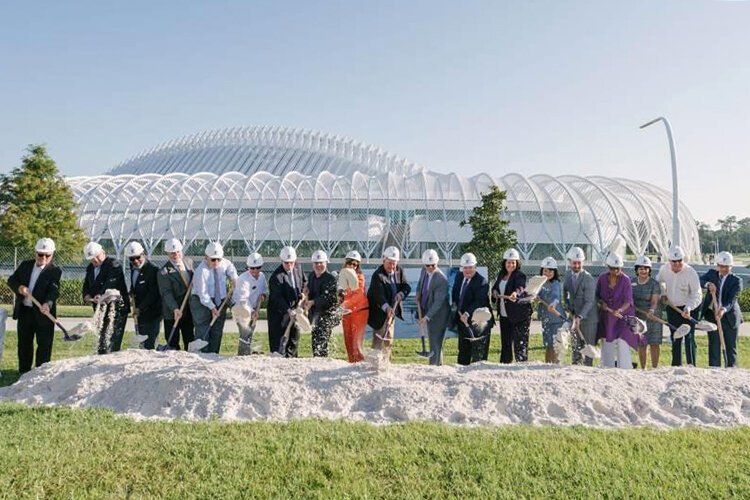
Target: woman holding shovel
[[647, 295], [353, 299], [550, 309]]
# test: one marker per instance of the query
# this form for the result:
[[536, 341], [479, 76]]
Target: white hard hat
[[614, 260], [724, 259], [214, 251], [172, 245], [392, 253], [511, 254], [45, 245], [254, 260], [643, 261], [91, 250], [319, 256], [576, 254], [675, 253], [354, 255], [430, 257], [288, 254], [133, 249], [549, 263], [468, 260]]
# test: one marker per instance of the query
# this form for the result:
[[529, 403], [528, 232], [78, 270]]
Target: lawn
[[57, 452]]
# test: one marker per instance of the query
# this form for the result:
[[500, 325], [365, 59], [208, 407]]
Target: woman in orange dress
[[355, 300]]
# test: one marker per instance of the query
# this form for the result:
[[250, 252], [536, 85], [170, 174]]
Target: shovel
[[299, 314], [67, 337], [679, 332], [253, 322], [138, 339], [390, 324], [720, 329], [164, 347], [702, 325], [424, 353], [472, 337], [198, 344]]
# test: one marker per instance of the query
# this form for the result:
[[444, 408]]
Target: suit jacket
[[110, 276], [581, 301], [380, 293], [172, 287], [728, 299], [476, 295], [146, 292], [517, 313], [325, 297], [437, 309], [46, 289], [282, 296]]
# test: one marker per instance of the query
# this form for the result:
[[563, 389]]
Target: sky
[[525, 86]]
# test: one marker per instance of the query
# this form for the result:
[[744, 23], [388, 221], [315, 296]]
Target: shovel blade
[[425, 354], [196, 345]]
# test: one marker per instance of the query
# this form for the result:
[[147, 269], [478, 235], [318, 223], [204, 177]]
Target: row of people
[[192, 303]]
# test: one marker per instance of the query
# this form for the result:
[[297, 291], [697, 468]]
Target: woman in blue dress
[[551, 312]]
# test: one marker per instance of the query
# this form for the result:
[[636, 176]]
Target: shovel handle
[[48, 315], [718, 320]]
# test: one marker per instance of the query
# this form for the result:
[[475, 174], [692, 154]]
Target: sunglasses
[[254, 268], [429, 265], [133, 259], [43, 255], [214, 260]]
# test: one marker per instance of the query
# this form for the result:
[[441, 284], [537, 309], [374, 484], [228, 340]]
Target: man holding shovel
[[174, 281], [284, 293], [471, 291], [388, 289], [250, 291], [322, 302], [579, 299], [725, 286], [144, 288], [207, 302], [682, 291], [432, 302], [38, 278]]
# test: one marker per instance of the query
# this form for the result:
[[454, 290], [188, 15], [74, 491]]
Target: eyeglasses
[[254, 268], [44, 255], [429, 265], [214, 260], [133, 259]]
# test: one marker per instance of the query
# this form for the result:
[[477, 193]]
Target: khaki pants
[[386, 332]]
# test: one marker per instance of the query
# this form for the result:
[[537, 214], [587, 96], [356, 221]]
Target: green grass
[[58, 452], [62, 311]]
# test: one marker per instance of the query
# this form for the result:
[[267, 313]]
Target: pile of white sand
[[177, 385]]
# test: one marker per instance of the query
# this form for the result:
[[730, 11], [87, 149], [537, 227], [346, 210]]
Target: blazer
[[110, 276], [517, 313], [145, 292], [172, 287], [476, 295], [728, 300], [438, 309], [282, 296], [325, 297], [46, 289], [380, 293], [581, 301]]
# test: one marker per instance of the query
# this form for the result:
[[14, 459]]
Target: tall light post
[[675, 198]]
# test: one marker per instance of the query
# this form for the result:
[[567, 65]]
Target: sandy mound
[[178, 385]]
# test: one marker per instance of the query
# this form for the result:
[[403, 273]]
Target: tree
[[35, 202], [491, 234]]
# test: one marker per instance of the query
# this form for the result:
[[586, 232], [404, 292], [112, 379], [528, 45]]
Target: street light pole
[[675, 198]]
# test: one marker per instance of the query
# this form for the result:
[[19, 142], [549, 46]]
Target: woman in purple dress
[[614, 293]]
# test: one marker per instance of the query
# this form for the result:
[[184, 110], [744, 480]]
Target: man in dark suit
[[322, 298], [38, 278], [144, 288], [174, 279], [285, 290], [727, 286], [470, 292], [104, 273], [388, 288], [432, 300]]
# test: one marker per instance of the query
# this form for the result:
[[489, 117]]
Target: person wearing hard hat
[[646, 295], [174, 280], [515, 318], [38, 278], [354, 300], [551, 313], [614, 293], [250, 291], [388, 289], [322, 303], [207, 300], [284, 293], [470, 292], [144, 288], [579, 299], [726, 286], [681, 289], [106, 273], [432, 301]]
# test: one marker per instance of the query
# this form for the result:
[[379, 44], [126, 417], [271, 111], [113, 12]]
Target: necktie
[[96, 272], [461, 295], [425, 288], [217, 288], [394, 289], [574, 281], [134, 277], [294, 283]]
